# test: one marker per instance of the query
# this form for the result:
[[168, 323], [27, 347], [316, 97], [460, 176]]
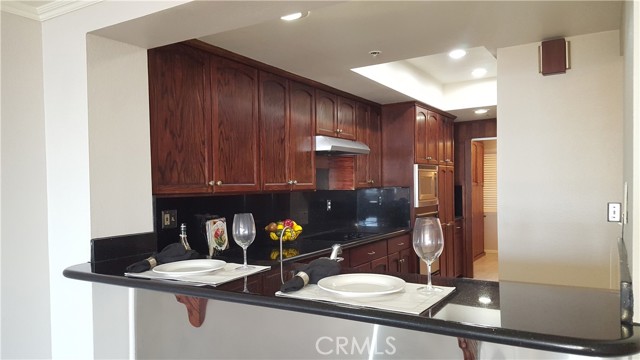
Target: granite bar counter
[[560, 319]]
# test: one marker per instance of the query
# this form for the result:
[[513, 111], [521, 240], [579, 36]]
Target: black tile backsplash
[[382, 207]]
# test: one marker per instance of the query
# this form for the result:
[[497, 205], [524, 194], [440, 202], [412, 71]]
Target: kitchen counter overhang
[[590, 328]]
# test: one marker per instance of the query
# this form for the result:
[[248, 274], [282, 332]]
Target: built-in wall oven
[[425, 199], [425, 185]]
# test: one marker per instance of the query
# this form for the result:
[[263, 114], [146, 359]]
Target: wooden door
[[375, 144], [346, 125], [180, 123], [368, 131], [446, 156], [433, 137], [326, 113], [274, 132], [235, 126], [458, 247], [477, 201], [362, 134], [301, 136], [421, 136]]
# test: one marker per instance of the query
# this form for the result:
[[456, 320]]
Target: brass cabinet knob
[[295, 182], [429, 158], [290, 182], [219, 182], [211, 183], [370, 181]]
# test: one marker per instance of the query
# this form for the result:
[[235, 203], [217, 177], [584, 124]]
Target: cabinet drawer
[[398, 243], [368, 252]]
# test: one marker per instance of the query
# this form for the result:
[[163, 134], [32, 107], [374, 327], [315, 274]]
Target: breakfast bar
[[477, 318]]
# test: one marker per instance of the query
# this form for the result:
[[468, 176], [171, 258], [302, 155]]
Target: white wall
[[631, 50], [25, 294], [120, 176], [45, 118], [559, 163]]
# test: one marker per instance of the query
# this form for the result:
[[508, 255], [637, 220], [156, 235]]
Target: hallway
[[486, 267]]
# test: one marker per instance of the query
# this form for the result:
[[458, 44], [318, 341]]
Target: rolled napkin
[[311, 274], [172, 252]]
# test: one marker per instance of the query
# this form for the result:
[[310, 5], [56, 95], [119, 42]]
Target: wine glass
[[428, 243], [244, 232]]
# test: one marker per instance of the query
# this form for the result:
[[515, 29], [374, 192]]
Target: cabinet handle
[[211, 183], [371, 253], [219, 182], [458, 227], [290, 182], [402, 261], [295, 182], [400, 244], [429, 158]]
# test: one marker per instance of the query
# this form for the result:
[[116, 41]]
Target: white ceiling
[[337, 36]]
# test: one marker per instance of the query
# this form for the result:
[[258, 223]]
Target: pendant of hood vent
[[336, 146]]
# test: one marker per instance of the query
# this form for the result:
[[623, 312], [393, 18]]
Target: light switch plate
[[614, 212]]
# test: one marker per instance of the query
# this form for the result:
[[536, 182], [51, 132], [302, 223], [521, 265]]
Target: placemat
[[215, 278], [408, 301]]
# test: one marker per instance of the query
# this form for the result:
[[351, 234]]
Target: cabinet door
[[433, 137], [445, 193], [235, 126], [449, 251], [408, 261], [375, 144], [180, 123], [326, 113], [458, 247], [301, 136], [421, 136], [380, 265], [362, 134], [446, 157], [346, 126], [393, 261], [274, 115]]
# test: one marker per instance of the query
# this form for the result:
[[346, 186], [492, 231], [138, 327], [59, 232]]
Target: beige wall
[[560, 161], [25, 308]]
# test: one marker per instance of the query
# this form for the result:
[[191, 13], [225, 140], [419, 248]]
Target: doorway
[[484, 209]]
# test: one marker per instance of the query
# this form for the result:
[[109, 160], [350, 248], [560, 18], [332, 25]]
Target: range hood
[[330, 145]]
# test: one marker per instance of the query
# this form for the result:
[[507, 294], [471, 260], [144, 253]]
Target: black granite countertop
[[562, 319]]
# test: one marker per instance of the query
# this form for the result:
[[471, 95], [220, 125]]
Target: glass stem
[[429, 275], [244, 251]]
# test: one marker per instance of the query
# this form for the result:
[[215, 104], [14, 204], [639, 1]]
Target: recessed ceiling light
[[479, 72], [457, 54], [481, 111], [294, 16]]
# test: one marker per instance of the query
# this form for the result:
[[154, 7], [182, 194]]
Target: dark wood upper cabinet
[[346, 125], [286, 134], [326, 113], [235, 126], [274, 132], [368, 167], [180, 100], [301, 136], [446, 139], [335, 115], [427, 136]]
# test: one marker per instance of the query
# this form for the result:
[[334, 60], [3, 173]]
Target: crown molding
[[44, 12]]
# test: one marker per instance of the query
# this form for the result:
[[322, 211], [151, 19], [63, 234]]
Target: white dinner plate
[[361, 284], [189, 267]]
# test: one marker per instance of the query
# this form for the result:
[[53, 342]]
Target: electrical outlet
[[328, 205], [169, 219], [614, 212]]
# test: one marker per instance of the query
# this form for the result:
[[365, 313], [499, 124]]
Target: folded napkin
[[171, 253], [311, 273]]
